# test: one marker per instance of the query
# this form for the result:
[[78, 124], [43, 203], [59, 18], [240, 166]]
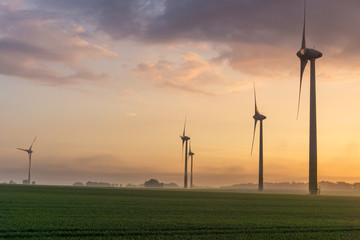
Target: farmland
[[58, 212]]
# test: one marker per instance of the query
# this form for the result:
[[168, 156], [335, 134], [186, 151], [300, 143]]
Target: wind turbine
[[191, 154], [29, 151], [259, 117], [185, 140], [307, 54]]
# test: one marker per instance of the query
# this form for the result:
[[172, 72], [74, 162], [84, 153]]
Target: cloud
[[48, 39], [259, 35], [275, 23], [165, 21], [193, 74], [29, 69], [36, 45], [120, 19]]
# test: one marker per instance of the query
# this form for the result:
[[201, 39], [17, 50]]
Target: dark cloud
[[224, 21], [269, 22], [251, 29], [253, 36], [119, 19], [20, 48], [164, 21]]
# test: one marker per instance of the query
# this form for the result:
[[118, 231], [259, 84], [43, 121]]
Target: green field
[[53, 212]]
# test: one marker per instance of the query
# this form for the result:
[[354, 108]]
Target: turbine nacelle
[[308, 54], [259, 117], [185, 138], [191, 153], [29, 151], [26, 150]]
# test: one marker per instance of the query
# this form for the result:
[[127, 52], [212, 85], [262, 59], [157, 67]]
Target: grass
[[54, 212]]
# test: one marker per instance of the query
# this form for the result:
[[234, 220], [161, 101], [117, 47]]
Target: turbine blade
[[182, 153], [252, 145], [302, 69], [25, 150], [303, 43], [256, 108], [184, 127], [190, 146], [32, 143]]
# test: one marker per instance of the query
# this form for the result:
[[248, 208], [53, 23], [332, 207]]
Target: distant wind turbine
[[29, 151], [305, 54], [191, 154], [259, 117], [185, 140]]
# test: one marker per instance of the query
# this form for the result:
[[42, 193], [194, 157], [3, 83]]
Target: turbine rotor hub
[[308, 54], [185, 138], [259, 117]]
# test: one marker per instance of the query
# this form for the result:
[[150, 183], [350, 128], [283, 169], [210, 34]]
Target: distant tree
[[78, 184], [170, 185], [325, 185], [356, 186], [153, 183], [102, 184], [269, 185], [343, 185], [243, 185], [33, 182], [25, 181]]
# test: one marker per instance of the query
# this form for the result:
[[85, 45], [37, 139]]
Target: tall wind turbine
[[259, 117], [191, 154], [185, 140], [307, 54], [29, 151]]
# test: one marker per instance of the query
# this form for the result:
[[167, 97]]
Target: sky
[[106, 85]]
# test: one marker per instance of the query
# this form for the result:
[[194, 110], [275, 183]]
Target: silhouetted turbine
[[259, 117], [185, 140], [191, 154], [29, 151], [305, 54]]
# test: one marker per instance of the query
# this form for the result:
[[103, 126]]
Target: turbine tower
[[29, 151], [185, 140], [191, 154], [307, 54], [259, 117]]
